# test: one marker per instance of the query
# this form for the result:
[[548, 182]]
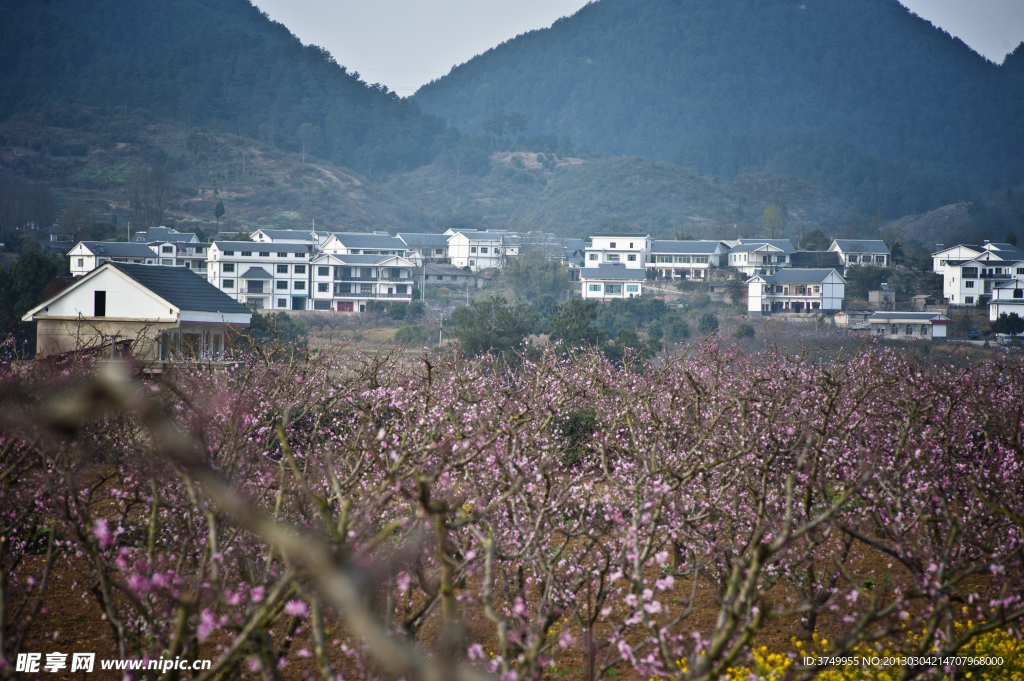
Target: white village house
[[1007, 298], [262, 275], [476, 249], [963, 252], [363, 243], [629, 250], [422, 248], [964, 282], [686, 260], [86, 256], [345, 283], [861, 252], [605, 282], [792, 290], [153, 312], [765, 256], [909, 325]]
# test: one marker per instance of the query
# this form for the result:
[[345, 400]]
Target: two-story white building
[[796, 290], [363, 243], [632, 251], [423, 248], [476, 249], [861, 252], [963, 252], [764, 257], [1007, 298], [262, 275], [605, 282], [85, 256], [345, 283], [686, 260], [966, 282], [188, 254]]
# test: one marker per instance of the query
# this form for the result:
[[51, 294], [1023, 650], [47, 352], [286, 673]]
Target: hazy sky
[[406, 43]]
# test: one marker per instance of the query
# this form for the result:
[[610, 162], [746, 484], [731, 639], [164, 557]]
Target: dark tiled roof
[[798, 276], [909, 316], [861, 245], [422, 239], [266, 247], [613, 273], [182, 288], [256, 273], [370, 241], [702, 247], [810, 259], [119, 249]]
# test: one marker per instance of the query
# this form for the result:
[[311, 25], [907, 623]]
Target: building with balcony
[[969, 282], [345, 283], [793, 290], [988, 251], [908, 325], [685, 260], [760, 257], [262, 275], [605, 282], [286, 236], [188, 254], [859, 252], [363, 243], [631, 251], [425, 249], [86, 256], [1008, 298]]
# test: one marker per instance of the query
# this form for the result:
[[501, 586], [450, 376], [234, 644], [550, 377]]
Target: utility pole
[[423, 289], [440, 335]]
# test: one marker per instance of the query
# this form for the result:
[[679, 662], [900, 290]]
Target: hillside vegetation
[[864, 98], [216, 63]]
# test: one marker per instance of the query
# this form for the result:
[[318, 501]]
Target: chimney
[[985, 242], [938, 247]]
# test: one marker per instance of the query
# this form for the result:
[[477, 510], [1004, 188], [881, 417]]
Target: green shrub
[[744, 331], [708, 324], [700, 299]]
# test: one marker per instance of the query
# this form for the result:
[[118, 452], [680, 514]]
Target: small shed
[[922, 302], [883, 296]]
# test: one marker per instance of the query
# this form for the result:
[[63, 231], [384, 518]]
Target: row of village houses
[[121, 286], [293, 269], [341, 271]]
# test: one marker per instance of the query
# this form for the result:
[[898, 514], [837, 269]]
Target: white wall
[[126, 299]]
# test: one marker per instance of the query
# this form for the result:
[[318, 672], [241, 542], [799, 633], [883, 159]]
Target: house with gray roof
[[860, 252], [154, 234], [423, 248], [909, 325], [691, 260], [347, 282], [363, 243], [147, 312], [796, 291], [605, 282], [262, 274], [86, 256]]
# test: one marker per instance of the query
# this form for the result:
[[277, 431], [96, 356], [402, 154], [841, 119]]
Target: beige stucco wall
[[56, 336]]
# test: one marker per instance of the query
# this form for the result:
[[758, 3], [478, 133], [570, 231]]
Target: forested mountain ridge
[[863, 97], [215, 63]]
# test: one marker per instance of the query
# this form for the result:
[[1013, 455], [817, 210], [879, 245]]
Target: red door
[[345, 307]]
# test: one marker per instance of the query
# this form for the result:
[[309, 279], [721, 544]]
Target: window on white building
[[613, 289], [246, 254], [81, 262], [167, 249], [300, 269], [596, 288], [282, 254], [166, 261], [817, 289], [282, 286], [282, 269], [483, 249], [631, 257], [282, 302], [968, 300], [264, 254], [229, 283], [229, 267], [472, 249], [323, 288], [611, 257], [632, 288], [472, 262], [321, 305], [593, 256], [323, 271], [300, 286], [968, 284], [231, 253]]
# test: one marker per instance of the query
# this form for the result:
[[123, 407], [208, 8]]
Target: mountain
[[865, 98], [576, 197], [220, 64]]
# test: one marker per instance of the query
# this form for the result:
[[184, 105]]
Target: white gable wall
[[126, 299]]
